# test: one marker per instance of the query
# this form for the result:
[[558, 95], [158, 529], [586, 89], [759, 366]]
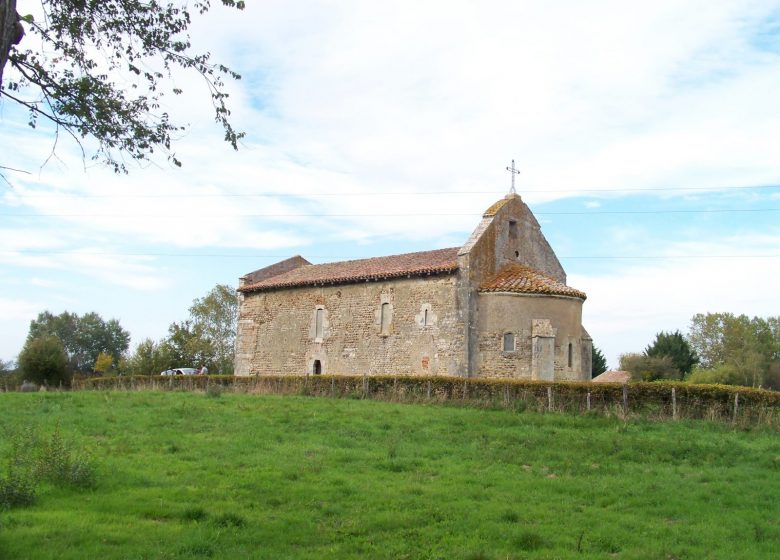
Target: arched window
[[571, 354], [425, 318], [318, 323], [384, 318], [509, 342]]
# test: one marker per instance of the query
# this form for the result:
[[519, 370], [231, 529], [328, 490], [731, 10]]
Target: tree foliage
[[737, 343], [149, 358], [206, 338], [214, 318], [103, 363], [676, 347], [188, 346], [43, 360], [98, 68], [83, 337], [649, 368], [599, 361]]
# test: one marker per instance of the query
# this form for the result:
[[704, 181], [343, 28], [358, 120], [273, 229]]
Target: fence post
[[429, 389], [625, 398], [395, 387], [674, 404], [465, 389], [588, 401], [332, 386], [549, 398], [736, 406], [506, 395]]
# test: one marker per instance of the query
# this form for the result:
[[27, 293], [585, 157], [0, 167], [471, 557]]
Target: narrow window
[[509, 342], [318, 323], [571, 354], [384, 318], [425, 318], [512, 229], [317, 367]]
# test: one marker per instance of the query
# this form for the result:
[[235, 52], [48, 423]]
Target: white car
[[181, 371]]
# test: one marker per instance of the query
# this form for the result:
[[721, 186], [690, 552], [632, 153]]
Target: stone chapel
[[498, 306]]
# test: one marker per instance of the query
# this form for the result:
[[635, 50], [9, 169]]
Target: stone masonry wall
[[278, 329], [514, 313]]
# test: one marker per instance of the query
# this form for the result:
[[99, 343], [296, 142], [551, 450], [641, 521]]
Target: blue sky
[[646, 136]]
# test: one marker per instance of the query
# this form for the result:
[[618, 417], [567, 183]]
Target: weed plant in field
[[33, 461], [184, 475]]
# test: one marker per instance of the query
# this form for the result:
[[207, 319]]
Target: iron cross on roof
[[514, 172]]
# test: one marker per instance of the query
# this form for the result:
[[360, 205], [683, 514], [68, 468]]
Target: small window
[[425, 318], [384, 318], [512, 229], [571, 354], [316, 368], [509, 342], [318, 323]]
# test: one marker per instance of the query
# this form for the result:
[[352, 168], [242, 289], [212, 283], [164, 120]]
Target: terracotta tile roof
[[377, 268], [526, 280], [612, 376]]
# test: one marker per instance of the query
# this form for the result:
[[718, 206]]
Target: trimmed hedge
[[743, 405]]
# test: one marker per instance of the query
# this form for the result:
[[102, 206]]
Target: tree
[[750, 346], [103, 363], [96, 68], [676, 347], [43, 360], [207, 338], [149, 358], [215, 317], [599, 361], [649, 368], [7, 371], [188, 346], [83, 337]]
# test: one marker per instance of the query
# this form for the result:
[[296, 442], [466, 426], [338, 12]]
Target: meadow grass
[[194, 475]]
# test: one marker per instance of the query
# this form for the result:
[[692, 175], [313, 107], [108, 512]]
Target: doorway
[[317, 367]]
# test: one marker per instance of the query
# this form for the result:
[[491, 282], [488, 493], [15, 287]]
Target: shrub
[[649, 368], [720, 375], [58, 464], [18, 486], [17, 489]]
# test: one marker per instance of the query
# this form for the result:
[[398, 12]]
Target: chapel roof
[[612, 376], [523, 279], [422, 263]]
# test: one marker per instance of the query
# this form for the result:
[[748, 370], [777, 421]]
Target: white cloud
[[366, 98], [15, 316]]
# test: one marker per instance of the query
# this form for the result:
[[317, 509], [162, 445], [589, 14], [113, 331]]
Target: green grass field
[[187, 475]]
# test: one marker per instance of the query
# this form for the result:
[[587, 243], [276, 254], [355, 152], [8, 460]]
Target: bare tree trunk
[[9, 31]]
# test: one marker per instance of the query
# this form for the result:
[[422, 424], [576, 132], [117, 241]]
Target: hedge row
[[658, 399]]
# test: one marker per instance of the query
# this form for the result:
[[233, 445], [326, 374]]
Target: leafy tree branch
[[103, 69]]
